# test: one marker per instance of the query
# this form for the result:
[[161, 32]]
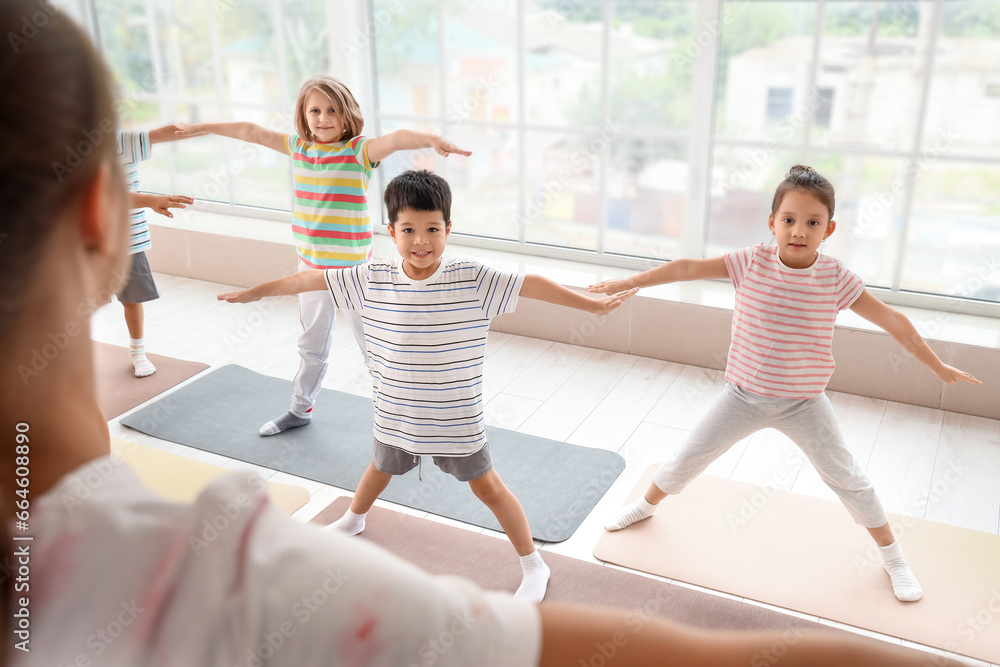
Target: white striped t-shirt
[[783, 321], [425, 341], [134, 147]]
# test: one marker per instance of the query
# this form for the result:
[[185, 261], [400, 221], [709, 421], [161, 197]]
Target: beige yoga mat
[[806, 554], [491, 563], [180, 479], [119, 390]]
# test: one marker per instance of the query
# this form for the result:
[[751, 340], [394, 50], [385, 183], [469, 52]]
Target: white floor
[[636, 406]]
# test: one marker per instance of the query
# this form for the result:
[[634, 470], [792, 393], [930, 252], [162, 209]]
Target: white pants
[[810, 423], [316, 314]]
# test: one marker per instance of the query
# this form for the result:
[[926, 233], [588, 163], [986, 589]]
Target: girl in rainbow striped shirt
[[780, 359], [332, 164]]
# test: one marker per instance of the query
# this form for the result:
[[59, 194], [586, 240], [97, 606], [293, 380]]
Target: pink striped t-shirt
[[783, 321]]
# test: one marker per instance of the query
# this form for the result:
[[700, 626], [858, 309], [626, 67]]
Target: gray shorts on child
[[140, 286], [393, 461]]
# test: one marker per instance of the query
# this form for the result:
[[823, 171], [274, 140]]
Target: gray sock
[[283, 423]]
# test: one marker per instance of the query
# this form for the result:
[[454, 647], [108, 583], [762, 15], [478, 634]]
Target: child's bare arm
[[160, 203], [902, 330], [572, 635], [243, 131], [382, 147], [674, 271], [170, 133], [311, 280], [543, 289]]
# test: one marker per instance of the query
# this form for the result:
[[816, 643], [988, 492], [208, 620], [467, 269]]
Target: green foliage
[[413, 28], [895, 19], [971, 18]]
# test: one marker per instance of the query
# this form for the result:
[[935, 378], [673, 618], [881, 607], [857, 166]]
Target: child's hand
[[163, 203], [612, 287], [242, 296], [950, 375], [610, 303], [445, 148], [185, 130]]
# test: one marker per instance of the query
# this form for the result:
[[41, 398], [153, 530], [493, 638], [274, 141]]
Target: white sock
[[904, 585], [350, 523], [535, 577], [137, 350], [629, 514]]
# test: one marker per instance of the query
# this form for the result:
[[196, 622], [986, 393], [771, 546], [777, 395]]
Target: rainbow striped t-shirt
[[332, 227], [782, 338]]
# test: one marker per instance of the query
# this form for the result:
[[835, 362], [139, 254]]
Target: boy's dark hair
[[420, 190], [805, 178]]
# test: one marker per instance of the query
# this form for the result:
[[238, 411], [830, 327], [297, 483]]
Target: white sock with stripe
[[904, 585], [626, 516], [137, 351]]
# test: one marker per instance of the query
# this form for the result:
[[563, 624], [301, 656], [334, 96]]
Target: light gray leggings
[[810, 423], [316, 314]]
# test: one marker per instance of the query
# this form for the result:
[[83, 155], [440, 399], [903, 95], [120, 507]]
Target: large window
[[615, 130]]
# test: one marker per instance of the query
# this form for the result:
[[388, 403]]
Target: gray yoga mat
[[558, 484]]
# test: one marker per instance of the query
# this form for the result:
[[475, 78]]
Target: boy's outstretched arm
[[160, 203], [674, 271], [311, 280], [543, 289], [382, 147], [573, 635], [251, 132], [903, 331], [171, 133]]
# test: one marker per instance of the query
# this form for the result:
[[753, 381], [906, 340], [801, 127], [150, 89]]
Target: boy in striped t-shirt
[[425, 324], [331, 165], [780, 359], [139, 287]]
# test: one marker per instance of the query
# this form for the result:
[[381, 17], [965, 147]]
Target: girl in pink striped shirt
[[780, 359]]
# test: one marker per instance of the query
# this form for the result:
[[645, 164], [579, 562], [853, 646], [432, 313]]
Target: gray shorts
[[393, 461], [140, 286]]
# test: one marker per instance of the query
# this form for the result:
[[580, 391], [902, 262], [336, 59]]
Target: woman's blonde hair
[[343, 102]]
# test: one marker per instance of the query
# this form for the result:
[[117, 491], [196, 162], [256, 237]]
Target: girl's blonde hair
[[343, 102]]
